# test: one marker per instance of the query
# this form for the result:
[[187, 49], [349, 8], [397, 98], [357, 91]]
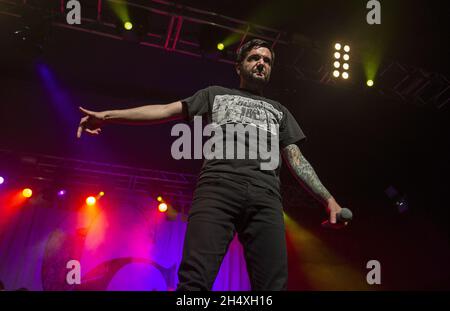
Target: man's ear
[[238, 68]]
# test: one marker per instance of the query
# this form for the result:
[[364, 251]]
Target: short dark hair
[[250, 45]]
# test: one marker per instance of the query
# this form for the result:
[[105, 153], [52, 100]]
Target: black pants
[[220, 208]]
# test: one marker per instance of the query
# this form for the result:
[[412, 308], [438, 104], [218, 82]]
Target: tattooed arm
[[304, 172]]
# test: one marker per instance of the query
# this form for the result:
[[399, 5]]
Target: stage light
[[162, 207], [345, 57], [101, 193], [91, 200], [131, 22], [369, 83], [159, 198], [211, 41], [128, 25], [27, 193], [2, 180], [62, 193]]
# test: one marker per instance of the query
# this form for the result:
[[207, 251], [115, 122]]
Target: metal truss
[[173, 27], [177, 28], [415, 85], [50, 171], [394, 80]]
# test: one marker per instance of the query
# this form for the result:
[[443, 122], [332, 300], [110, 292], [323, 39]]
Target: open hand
[[91, 122]]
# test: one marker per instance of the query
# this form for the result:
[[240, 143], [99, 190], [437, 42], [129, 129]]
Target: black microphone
[[345, 215]]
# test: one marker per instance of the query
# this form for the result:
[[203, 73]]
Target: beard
[[253, 77]]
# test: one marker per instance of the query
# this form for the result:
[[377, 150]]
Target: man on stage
[[235, 195]]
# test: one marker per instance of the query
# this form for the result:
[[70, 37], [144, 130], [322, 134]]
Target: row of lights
[[90, 200], [28, 193], [344, 52]]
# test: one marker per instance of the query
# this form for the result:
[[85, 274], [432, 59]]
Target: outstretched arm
[[93, 120], [304, 172]]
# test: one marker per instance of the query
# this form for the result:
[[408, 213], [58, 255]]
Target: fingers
[[333, 217], [79, 131], [85, 111], [87, 122], [93, 132], [82, 127]]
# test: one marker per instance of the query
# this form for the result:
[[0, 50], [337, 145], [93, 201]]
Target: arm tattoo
[[301, 169]]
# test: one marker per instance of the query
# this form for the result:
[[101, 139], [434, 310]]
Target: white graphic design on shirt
[[238, 109]]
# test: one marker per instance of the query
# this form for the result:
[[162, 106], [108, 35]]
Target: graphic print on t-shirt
[[244, 110]]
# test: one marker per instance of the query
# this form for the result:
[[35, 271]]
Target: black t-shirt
[[220, 106]]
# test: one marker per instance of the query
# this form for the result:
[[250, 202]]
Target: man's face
[[257, 66]]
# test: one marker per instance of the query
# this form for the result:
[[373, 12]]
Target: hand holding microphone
[[338, 217]]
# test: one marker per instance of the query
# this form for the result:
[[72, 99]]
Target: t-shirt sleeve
[[197, 104], [290, 131]]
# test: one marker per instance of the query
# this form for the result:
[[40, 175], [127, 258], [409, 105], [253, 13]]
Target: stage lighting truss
[[414, 85], [167, 25], [176, 28], [45, 172]]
